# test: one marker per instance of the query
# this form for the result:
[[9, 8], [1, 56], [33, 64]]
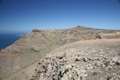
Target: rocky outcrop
[[81, 61], [36, 30], [35, 45]]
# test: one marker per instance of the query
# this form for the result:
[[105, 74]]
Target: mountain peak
[[37, 44]]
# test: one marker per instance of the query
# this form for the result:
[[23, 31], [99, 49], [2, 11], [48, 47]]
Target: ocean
[[6, 39]]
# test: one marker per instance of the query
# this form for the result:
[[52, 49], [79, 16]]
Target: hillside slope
[[31, 47], [82, 60]]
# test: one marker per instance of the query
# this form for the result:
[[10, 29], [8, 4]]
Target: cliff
[[30, 48]]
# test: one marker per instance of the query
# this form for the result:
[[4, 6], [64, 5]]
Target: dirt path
[[97, 40]]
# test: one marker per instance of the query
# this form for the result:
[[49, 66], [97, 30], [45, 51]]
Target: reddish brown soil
[[98, 40], [5, 53]]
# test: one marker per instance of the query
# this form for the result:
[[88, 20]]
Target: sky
[[25, 15]]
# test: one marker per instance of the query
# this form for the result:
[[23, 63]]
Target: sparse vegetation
[[32, 47]]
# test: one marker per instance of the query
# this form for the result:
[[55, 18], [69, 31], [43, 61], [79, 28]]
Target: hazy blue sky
[[25, 15]]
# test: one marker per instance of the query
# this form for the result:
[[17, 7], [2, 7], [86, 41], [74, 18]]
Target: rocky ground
[[16, 61], [82, 60]]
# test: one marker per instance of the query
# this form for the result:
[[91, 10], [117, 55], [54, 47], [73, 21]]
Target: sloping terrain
[[9, 62], [82, 60], [30, 48]]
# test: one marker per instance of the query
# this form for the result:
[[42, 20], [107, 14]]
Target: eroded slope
[[82, 60], [33, 46]]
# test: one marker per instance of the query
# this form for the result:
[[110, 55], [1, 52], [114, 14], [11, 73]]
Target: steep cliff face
[[83, 60], [35, 45]]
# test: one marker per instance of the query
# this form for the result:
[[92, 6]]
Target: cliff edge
[[32, 47]]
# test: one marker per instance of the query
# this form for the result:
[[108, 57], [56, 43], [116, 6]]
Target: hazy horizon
[[25, 15]]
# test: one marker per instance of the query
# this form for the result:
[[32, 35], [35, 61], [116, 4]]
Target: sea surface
[[6, 39]]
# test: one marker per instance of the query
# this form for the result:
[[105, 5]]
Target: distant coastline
[[6, 39], [20, 34]]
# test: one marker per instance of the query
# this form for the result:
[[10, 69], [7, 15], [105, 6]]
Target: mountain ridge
[[35, 45]]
